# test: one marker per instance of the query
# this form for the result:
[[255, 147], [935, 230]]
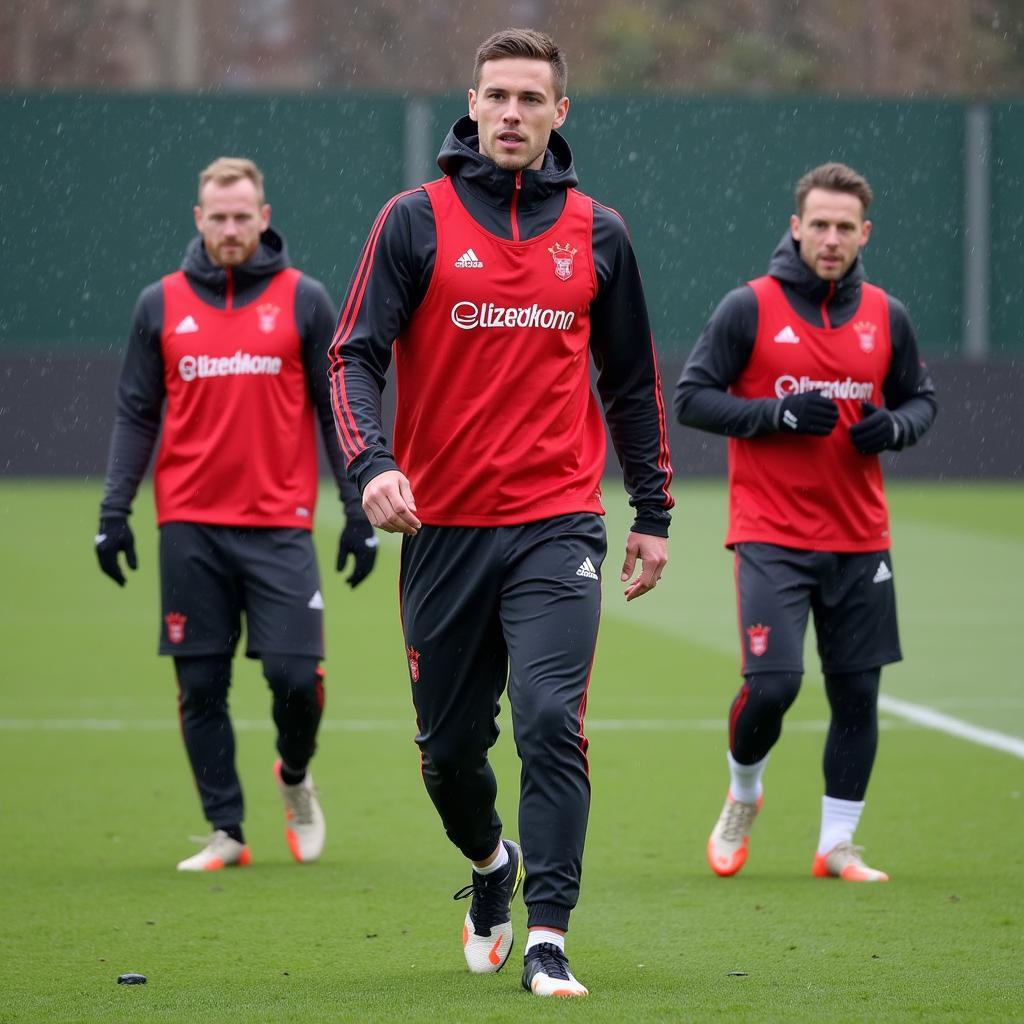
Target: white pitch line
[[915, 713], [376, 725], [933, 719]]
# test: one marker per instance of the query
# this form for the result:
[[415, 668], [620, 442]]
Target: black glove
[[359, 541], [877, 431], [808, 413], [114, 536]]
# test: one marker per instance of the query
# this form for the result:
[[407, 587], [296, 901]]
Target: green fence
[[1008, 227], [96, 194]]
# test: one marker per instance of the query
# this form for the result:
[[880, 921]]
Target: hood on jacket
[[787, 266], [270, 257], [460, 157]]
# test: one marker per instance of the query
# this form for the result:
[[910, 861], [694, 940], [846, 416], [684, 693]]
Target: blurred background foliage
[[878, 48]]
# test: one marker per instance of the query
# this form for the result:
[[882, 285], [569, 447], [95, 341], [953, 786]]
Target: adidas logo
[[469, 259], [787, 336], [587, 569], [187, 326], [316, 602], [882, 573]]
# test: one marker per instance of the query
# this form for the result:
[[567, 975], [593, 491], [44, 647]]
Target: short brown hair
[[834, 177], [528, 43], [226, 170]]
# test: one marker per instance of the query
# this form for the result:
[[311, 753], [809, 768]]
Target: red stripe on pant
[[737, 709], [321, 696]]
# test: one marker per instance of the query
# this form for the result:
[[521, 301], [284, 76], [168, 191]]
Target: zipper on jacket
[[229, 293], [515, 205], [824, 306]]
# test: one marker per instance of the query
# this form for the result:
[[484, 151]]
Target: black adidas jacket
[[140, 392], [390, 287], [724, 347]]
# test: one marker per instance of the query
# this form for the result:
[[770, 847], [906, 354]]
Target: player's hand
[[877, 431], [359, 541], [808, 413], [652, 553], [113, 537], [389, 504]]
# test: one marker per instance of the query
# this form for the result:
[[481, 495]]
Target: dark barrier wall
[[57, 412], [96, 194], [979, 432]]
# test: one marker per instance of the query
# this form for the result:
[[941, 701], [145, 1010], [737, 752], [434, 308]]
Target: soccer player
[[811, 372], [495, 285], [227, 355]]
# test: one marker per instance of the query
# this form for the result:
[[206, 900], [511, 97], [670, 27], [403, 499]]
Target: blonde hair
[[226, 170]]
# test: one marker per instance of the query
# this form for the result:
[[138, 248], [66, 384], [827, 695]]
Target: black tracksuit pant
[[297, 685], [482, 607]]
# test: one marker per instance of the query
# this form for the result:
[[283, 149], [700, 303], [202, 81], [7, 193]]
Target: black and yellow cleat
[[487, 931]]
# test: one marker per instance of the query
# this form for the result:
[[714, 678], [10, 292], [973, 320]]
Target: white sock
[[839, 820], [497, 864], [539, 935], [745, 779]]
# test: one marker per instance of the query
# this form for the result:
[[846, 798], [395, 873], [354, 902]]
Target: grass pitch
[[98, 804]]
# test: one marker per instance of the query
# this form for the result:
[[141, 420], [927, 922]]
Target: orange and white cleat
[[730, 838], [844, 861], [305, 829], [220, 851]]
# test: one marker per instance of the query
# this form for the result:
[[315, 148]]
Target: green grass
[[99, 802]]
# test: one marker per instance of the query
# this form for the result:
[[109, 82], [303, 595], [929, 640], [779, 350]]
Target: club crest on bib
[[866, 331], [175, 626], [267, 312], [562, 255], [758, 636]]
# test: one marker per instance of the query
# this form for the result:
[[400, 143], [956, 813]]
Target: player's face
[[831, 232], [516, 109], [231, 220]]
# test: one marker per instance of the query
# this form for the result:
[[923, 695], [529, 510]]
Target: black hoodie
[[725, 345], [394, 273], [140, 393]]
